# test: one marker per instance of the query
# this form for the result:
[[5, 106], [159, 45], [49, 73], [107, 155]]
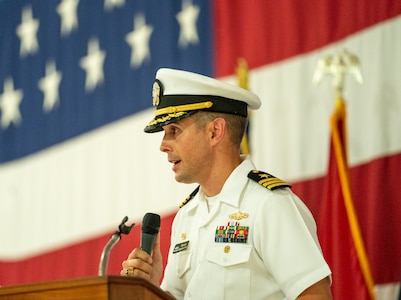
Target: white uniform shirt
[[280, 258]]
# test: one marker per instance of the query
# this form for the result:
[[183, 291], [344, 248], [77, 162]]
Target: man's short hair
[[236, 125]]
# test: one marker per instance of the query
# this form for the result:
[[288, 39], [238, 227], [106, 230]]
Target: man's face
[[188, 149]]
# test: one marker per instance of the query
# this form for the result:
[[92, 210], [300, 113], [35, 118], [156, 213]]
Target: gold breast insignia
[[238, 215]]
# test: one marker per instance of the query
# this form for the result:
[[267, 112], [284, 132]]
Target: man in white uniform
[[242, 234]]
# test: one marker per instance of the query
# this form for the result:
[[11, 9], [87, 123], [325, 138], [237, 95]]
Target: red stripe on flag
[[378, 208], [79, 260], [275, 30]]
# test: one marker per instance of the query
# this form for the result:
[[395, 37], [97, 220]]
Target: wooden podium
[[99, 288]]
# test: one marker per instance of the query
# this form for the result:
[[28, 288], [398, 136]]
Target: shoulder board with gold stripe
[[189, 198], [268, 181]]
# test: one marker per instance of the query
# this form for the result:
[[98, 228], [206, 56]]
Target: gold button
[[183, 236], [227, 249]]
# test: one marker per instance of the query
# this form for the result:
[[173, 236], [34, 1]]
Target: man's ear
[[217, 129]]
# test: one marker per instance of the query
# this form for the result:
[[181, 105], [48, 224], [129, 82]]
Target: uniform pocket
[[228, 267], [229, 254]]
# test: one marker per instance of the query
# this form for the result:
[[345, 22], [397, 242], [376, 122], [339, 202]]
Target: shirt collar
[[232, 188], [235, 183]]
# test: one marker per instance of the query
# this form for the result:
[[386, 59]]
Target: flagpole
[[242, 78], [338, 66]]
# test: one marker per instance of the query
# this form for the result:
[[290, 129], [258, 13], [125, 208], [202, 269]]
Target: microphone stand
[[115, 238]]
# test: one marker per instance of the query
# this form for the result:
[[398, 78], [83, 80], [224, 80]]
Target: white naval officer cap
[[178, 94]]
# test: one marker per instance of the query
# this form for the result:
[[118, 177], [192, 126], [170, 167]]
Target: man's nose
[[164, 146]]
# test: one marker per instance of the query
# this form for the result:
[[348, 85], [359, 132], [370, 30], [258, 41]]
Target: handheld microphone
[[150, 229]]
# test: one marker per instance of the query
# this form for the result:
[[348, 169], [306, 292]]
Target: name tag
[[181, 247]]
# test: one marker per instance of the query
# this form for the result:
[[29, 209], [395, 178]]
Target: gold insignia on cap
[[183, 108], [183, 236], [165, 118], [156, 93], [238, 215]]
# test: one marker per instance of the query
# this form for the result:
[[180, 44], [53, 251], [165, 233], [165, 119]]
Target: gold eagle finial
[[338, 66]]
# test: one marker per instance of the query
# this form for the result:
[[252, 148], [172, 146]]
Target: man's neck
[[218, 176]]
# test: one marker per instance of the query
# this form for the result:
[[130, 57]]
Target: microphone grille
[[151, 223]]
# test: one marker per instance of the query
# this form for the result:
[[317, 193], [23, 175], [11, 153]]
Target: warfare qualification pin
[[238, 215]]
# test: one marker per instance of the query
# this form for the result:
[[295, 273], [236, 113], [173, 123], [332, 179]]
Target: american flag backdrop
[[75, 95]]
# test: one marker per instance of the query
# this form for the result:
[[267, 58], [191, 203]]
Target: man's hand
[[141, 264]]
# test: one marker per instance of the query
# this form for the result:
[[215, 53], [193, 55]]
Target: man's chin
[[183, 179]]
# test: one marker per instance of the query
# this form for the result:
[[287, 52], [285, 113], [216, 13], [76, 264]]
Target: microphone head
[[151, 223]]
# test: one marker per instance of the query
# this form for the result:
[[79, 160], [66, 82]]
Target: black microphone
[[150, 229]]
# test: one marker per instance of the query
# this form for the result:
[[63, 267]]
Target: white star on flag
[[93, 65], [67, 10], [26, 31], [110, 4], [138, 39], [187, 19], [49, 86], [9, 104]]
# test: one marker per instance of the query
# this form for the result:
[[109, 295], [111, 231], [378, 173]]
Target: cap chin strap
[[184, 107]]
